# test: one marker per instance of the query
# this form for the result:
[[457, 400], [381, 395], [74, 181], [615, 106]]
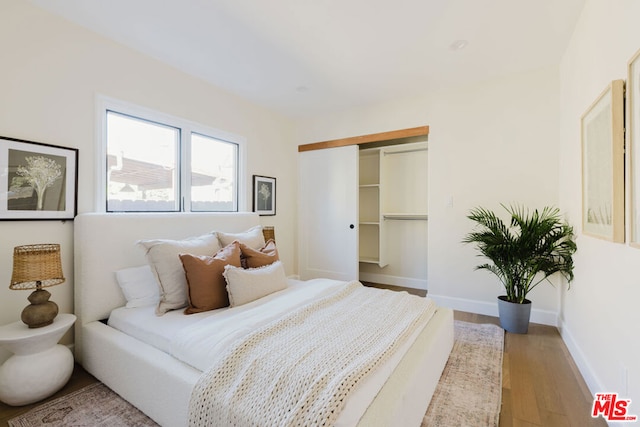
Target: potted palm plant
[[534, 246]]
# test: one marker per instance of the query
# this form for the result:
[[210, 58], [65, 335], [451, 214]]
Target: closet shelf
[[387, 153], [406, 216]]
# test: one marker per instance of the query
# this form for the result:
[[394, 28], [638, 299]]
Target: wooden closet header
[[364, 139]]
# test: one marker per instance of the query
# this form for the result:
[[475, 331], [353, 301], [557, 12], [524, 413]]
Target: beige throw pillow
[[246, 285], [162, 257], [253, 237]]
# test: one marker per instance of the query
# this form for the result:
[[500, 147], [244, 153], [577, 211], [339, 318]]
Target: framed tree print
[[264, 195], [602, 135], [37, 181], [633, 147]]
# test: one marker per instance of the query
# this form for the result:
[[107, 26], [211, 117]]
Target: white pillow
[[246, 285], [162, 256], [138, 286], [253, 237]]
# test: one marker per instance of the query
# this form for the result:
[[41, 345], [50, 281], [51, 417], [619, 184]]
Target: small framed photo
[[264, 195], [37, 181], [603, 165]]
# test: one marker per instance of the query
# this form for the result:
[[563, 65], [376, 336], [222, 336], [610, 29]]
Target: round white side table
[[39, 366]]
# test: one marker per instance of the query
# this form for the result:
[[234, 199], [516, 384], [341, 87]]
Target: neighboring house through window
[[152, 162]]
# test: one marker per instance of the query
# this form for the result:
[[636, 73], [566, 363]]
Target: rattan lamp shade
[[269, 233], [36, 266]]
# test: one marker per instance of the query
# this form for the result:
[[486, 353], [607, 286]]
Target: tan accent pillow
[[207, 287], [162, 257], [246, 285], [252, 237], [253, 258]]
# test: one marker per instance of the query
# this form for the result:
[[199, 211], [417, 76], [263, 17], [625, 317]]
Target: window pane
[[213, 174], [141, 165]]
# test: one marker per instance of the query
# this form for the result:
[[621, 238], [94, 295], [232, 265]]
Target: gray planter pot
[[514, 317]]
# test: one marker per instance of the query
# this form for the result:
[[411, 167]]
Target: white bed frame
[[161, 385]]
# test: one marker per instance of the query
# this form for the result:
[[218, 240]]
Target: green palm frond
[[535, 245]]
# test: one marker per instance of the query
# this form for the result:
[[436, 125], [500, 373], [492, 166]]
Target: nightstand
[[39, 366]]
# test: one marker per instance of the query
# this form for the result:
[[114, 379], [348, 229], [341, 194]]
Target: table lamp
[[36, 267]]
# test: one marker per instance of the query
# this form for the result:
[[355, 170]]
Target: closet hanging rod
[[406, 217], [405, 151]]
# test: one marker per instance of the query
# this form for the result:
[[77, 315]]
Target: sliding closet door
[[328, 213]]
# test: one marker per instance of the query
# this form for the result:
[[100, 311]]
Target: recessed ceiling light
[[458, 45]]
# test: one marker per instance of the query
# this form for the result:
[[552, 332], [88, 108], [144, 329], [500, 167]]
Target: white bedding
[[161, 331], [180, 335]]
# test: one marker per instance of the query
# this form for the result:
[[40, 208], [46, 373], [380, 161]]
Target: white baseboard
[[384, 279], [543, 317], [594, 384]]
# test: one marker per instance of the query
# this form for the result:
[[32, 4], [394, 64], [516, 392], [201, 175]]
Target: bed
[[160, 384]]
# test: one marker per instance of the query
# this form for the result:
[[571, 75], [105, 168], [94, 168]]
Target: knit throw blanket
[[299, 369]]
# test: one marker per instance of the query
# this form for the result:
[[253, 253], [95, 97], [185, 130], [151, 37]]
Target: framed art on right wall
[[633, 147], [602, 134]]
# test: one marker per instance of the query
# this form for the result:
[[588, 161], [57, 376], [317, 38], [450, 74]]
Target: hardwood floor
[[541, 385]]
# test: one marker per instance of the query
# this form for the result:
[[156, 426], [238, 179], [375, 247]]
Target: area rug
[[469, 392], [94, 405]]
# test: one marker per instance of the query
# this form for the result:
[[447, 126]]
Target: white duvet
[[199, 344], [161, 331]]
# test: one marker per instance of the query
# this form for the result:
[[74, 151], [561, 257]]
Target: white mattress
[[169, 331]]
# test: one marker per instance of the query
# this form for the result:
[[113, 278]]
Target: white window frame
[[104, 104]]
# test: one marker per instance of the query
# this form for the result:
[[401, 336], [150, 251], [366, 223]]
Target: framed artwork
[[602, 134], [633, 147], [264, 195], [37, 181]]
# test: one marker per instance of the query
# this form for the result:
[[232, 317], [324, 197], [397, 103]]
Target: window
[[213, 174], [156, 163]]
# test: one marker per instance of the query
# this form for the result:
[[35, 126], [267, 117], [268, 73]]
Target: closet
[[393, 214], [363, 208]]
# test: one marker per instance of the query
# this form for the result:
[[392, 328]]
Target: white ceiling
[[305, 57]]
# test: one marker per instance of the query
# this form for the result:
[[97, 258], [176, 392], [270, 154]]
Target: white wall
[[600, 316], [50, 74], [488, 144], [491, 144]]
